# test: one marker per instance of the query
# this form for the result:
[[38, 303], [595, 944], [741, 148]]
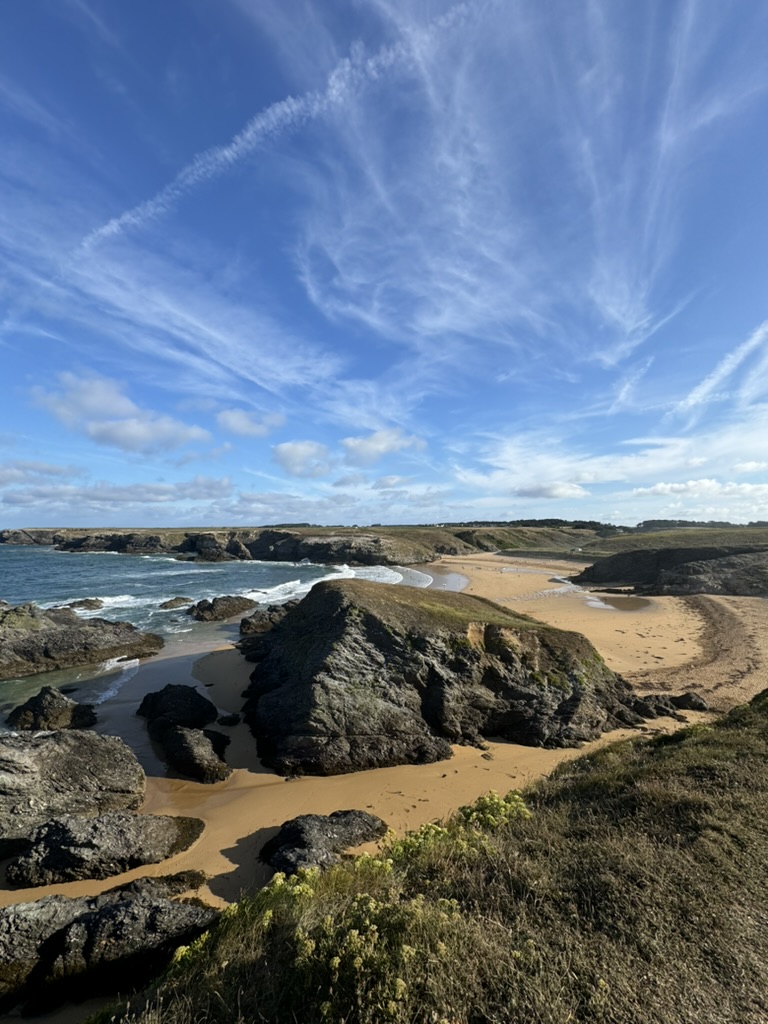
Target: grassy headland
[[627, 887]]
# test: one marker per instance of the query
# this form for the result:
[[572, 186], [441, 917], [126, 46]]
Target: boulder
[[177, 704], [220, 608], [35, 640], [47, 774], [175, 602], [317, 840], [58, 947], [362, 676], [264, 619], [87, 604], [69, 848], [689, 702], [194, 752], [50, 709]]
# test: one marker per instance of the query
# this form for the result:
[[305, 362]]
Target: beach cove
[[714, 645]]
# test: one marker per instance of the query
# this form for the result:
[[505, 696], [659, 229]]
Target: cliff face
[[356, 678], [735, 571]]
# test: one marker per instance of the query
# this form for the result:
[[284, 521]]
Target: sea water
[[131, 589]]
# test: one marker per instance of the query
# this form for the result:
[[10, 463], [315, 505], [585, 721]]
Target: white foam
[[128, 671]]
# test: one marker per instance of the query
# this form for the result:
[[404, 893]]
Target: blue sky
[[354, 261]]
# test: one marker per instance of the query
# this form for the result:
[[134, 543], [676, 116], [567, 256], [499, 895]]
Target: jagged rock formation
[[359, 676], [87, 604], [175, 602], [34, 640], [50, 709], [743, 575], [70, 847], [642, 568], [264, 619], [44, 775], [317, 840], [220, 608], [176, 718], [58, 946], [198, 753], [176, 704]]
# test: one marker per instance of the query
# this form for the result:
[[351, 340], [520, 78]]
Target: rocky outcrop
[[317, 840], [353, 549], [175, 602], [50, 709], [69, 848], [87, 604], [220, 608], [176, 718], [198, 753], [362, 676], [56, 946], [48, 774], [737, 575], [642, 568], [29, 538], [264, 619], [176, 704], [121, 543], [34, 640]]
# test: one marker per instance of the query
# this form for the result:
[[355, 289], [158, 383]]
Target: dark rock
[[656, 705], [178, 705], [643, 567], [743, 575], [360, 676], [175, 602], [264, 619], [192, 752], [45, 775], [237, 549], [69, 847], [33, 640], [220, 608], [58, 947], [229, 720], [166, 886], [689, 702], [89, 604], [209, 548], [51, 709], [357, 548], [121, 543], [316, 840]]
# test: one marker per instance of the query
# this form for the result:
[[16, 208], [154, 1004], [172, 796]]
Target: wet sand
[[718, 646]]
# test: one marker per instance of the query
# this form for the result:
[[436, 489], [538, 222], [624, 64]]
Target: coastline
[[663, 637]]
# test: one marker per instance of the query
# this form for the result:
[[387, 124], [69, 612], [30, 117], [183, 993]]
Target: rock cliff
[[359, 676], [741, 572]]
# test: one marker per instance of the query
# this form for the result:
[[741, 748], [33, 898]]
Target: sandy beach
[[718, 646]]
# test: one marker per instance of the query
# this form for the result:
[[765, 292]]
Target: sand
[[718, 646]]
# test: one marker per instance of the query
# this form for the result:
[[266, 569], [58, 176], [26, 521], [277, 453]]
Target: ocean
[[132, 587]]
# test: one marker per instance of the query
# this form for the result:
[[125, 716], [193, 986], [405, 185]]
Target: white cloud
[[97, 408], [303, 458], [386, 483], [351, 480], [707, 390], [705, 488], [21, 471], [242, 423], [750, 467], [364, 451], [553, 490], [107, 495]]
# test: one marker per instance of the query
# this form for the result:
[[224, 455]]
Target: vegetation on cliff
[[629, 886]]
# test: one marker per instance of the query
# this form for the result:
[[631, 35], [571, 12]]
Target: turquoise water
[[132, 587]]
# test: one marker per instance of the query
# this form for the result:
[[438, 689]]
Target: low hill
[[627, 887]]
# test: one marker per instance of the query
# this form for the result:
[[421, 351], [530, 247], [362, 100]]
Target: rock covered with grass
[[362, 676], [36, 640]]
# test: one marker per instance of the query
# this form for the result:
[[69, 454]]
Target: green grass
[[627, 887]]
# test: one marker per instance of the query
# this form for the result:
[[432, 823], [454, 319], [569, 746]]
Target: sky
[[382, 261]]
